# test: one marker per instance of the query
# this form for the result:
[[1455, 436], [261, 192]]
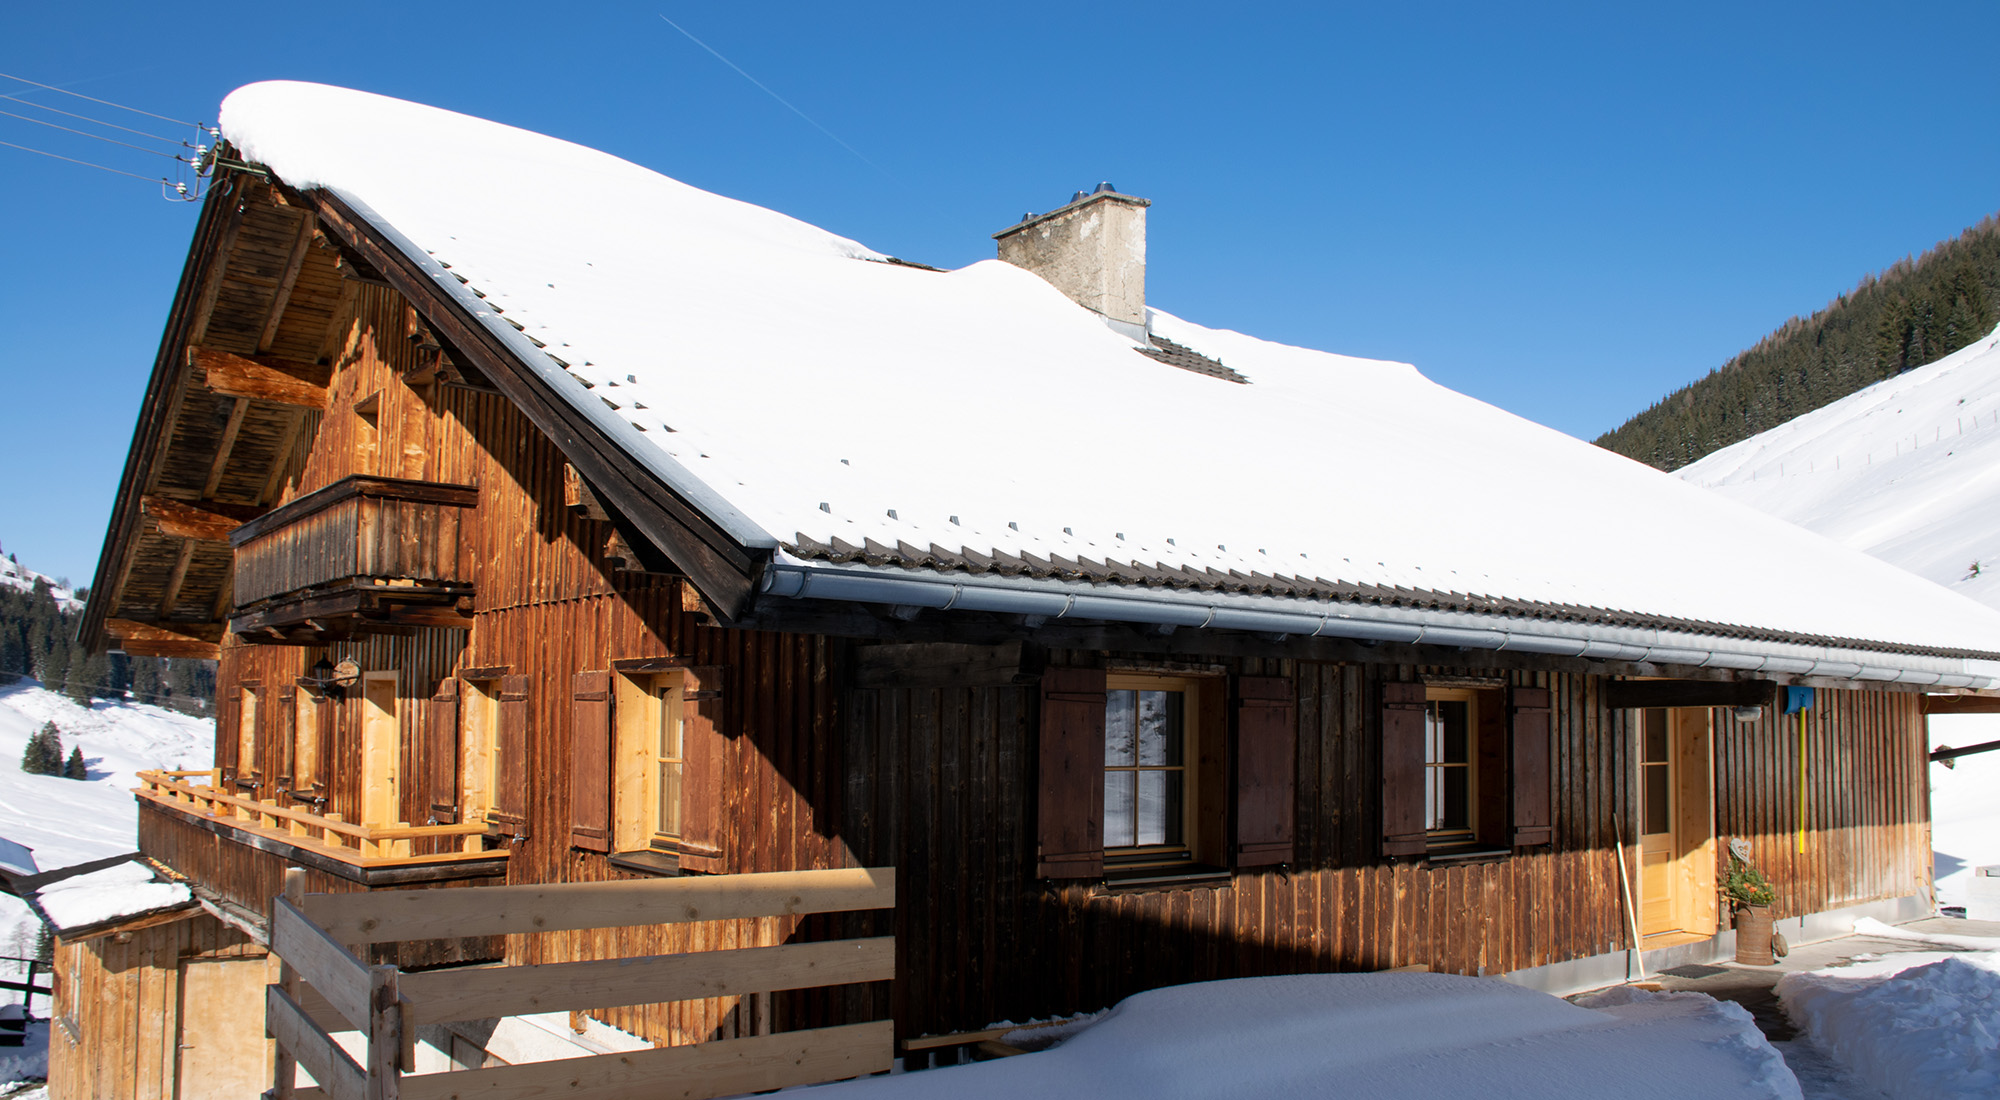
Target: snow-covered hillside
[[1907, 470], [21, 577], [67, 821]]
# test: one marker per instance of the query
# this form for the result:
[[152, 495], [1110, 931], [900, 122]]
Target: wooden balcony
[[320, 839], [364, 555]]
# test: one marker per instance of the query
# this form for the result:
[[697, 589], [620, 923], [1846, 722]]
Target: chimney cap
[[1103, 191]]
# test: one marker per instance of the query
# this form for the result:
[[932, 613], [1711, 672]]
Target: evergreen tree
[[76, 769], [43, 754], [45, 945]]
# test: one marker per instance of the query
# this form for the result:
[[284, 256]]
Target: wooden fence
[[326, 987]]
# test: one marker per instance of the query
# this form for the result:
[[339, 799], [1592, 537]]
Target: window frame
[[249, 734], [1443, 836], [479, 748]]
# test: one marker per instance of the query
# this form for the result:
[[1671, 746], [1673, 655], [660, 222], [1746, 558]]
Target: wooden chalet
[[480, 624]]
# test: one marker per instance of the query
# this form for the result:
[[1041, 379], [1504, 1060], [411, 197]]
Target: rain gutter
[[791, 577]]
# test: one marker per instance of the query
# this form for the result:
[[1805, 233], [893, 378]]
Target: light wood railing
[[325, 987], [325, 834]]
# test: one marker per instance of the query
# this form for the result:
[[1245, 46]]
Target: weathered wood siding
[[1867, 798], [116, 1035]]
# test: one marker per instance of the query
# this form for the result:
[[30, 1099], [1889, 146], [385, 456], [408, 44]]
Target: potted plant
[[1750, 895]]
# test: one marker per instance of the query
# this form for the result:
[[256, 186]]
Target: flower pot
[[1753, 935]]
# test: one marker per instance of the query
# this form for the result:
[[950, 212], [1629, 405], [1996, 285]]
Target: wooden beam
[[265, 378], [443, 996], [1962, 704], [722, 1067], [238, 410], [1947, 754], [1642, 694], [579, 496], [281, 458], [207, 521], [498, 910], [311, 1047], [198, 640], [308, 226], [177, 578]]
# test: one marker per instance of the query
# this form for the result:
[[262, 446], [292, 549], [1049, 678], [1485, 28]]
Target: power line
[[87, 118], [88, 134], [94, 99], [85, 163]]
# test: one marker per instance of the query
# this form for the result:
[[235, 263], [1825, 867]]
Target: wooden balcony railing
[[325, 987], [376, 548], [328, 835]]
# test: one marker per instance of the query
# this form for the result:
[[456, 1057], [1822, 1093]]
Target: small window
[[649, 762], [1451, 782], [305, 741], [479, 748], [1151, 738], [248, 765]]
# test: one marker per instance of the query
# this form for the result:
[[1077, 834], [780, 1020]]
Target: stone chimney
[[1093, 249]]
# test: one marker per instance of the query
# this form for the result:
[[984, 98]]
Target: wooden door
[[1676, 823], [223, 1051], [381, 751]]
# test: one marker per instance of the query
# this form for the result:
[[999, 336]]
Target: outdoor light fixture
[[1747, 714], [331, 679]]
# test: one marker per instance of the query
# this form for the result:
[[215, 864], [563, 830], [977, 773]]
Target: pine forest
[[1916, 312]]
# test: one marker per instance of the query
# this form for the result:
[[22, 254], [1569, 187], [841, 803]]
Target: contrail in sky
[[774, 95]]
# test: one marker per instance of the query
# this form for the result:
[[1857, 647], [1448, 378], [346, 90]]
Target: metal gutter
[[794, 578], [570, 388]]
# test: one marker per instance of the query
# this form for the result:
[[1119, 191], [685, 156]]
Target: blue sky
[[1565, 210]]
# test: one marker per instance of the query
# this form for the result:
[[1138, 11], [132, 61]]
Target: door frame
[[1693, 909]]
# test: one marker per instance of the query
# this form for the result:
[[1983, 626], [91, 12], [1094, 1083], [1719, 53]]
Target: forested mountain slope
[[1916, 312]]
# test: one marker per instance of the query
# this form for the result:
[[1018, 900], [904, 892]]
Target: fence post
[[288, 980], [385, 1033]]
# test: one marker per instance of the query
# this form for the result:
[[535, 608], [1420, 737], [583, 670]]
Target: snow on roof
[[16, 859], [115, 893], [817, 395]]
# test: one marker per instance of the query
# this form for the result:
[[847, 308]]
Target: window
[[649, 761], [305, 741], [1465, 768], [1149, 726], [479, 755], [248, 765], [1149, 777], [648, 753], [1451, 781]]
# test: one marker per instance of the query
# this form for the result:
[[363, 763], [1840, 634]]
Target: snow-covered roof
[[116, 893], [871, 424]]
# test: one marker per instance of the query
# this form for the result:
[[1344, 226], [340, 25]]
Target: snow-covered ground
[[13, 575], [1407, 1036], [1923, 1025], [1965, 808], [67, 821]]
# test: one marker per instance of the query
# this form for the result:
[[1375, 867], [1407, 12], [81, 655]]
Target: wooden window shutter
[[1403, 770], [1266, 762], [441, 752], [1534, 821], [705, 770], [1070, 814], [590, 761], [510, 799]]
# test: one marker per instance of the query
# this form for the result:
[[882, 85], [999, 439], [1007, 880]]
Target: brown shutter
[[441, 752], [1070, 816], [1534, 823], [705, 771], [590, 761], [510, 799], [1403, 770], [287, 747], [1266, 752]]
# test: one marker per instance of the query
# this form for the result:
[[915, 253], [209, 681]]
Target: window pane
[[1160, 801], [670, 799], [1120, 728], [1656, 736], [1119, 821], [1456, 803], [670, 726], [1456, 734], [1433, 798], [1658, 806], [1160, 728]]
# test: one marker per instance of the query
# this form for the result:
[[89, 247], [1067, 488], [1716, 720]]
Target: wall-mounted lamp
[[1747, 713], [330, 679]]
